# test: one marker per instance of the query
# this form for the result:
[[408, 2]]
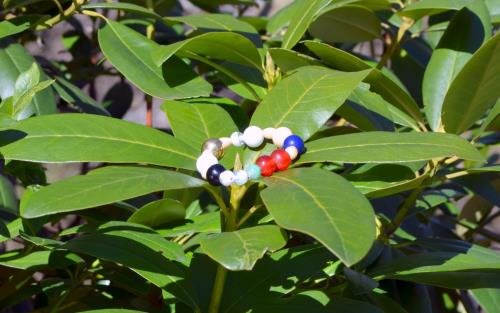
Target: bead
[[292, 152], [294, 141], [213, 145], [280, 135], [266, 164], [226, 178], [253, 171], [240, 178], [237, 139], [205, 160], [213, 174], [268, 132], [226, 142], [253, 137], [281, 159]]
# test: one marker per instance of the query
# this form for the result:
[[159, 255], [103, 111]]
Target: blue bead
[[213, 174], [294, 141], [253, 171]]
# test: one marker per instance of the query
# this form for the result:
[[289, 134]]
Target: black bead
[[213, 174]]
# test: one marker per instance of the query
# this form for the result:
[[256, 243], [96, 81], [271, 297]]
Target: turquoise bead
[[253, 171]]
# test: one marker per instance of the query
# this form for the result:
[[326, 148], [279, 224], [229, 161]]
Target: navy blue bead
[[294, 141], [213, 174]]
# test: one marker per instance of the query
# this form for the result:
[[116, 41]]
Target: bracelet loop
[[290, 146]]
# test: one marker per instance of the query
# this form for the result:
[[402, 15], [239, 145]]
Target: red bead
[[281, 159], [266, 164]]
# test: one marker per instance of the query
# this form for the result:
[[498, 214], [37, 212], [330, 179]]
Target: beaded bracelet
[[290, 147]]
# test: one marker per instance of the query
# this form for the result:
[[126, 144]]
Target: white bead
[[292, 152], [269, 132], [226, 142], [205, 160], [252, 136], [237, 139], [241, 177], [280, 136], [226, 178]]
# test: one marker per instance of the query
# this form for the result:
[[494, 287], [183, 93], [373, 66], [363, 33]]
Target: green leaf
[[103, 186], [464, 35], [204, 223], [491, 118], [417, 10], [194, 123], [130, 52], [22, 101], [474, 90], [305, 100], [289, 60], [350, 23], [124, 6], [477, 267], [14, 60], [494, 8], [13, 26], [337, 215], [8, 201], [241, 249], [380, 83], [25, 261], [489, 299], [387, 147], [375, 5], [112, 311], [158, 212], [226, 46], [92, 138], [77, 98], [303, 14], [130, 245], [218, 22]]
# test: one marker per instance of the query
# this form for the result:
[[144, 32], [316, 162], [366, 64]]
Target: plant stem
[[75, 5], [248, 214], [222, 69], [407, 23]]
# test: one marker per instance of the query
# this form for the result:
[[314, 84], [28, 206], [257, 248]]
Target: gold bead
[[213, 145]]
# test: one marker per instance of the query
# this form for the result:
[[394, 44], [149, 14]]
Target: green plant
[[389, 210]]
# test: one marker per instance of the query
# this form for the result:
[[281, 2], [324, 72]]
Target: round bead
[[213, 174], [213, 145], [226, 178], [253, 137], [226, 142], [280, 135], [294, 141], [268, 132], [253, 171], [281, 159], [292, 152], [240, 178], [266, 164], [205, 160], [237, 139]]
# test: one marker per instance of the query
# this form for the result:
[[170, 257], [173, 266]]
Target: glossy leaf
[[77, 98], [417, 10], [335, 210], [289, 60], [204, 223], [92, 138], [124, 6], [227, 46], [103, 186], [25, 261], [348, 23], [15, 59], [305, 100], [8, 201], [159, 212], [387, 147], [380, 83], [477, 267], [489, 299], [375, 5], [464, 35], [302, 16], [112, 311], [130, 52], [129, 245], [241, 249], [474, 90]]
